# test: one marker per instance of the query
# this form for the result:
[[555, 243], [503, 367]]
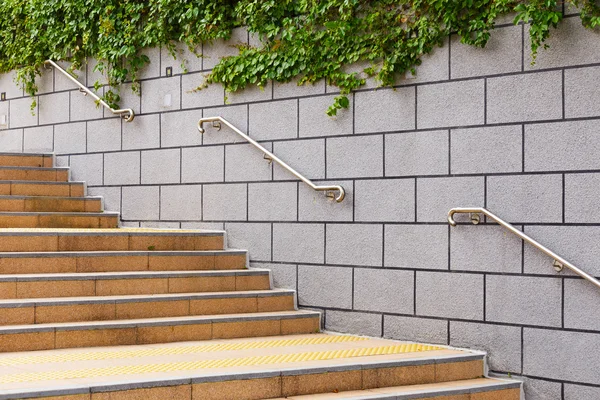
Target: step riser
[[57, 221], [26, 161], [132, 286], [62, 339], [35, 189], [33, 175], [45, 204], [50, 243]]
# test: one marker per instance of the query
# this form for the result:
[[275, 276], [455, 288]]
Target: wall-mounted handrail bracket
[[267, 155], [126, 113], [558, 263]]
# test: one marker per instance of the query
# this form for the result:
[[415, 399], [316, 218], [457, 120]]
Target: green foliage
[[307, 40]]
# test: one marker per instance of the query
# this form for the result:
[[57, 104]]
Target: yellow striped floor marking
[[212, 364], [173, 350]]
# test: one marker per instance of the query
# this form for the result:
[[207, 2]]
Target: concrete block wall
[[474, 128]]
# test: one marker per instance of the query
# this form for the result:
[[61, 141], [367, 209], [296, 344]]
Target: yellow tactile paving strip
[[181, 350], [214, 363]]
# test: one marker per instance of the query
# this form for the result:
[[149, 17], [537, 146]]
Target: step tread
[[106, 231], [119, 253], [49, 198], [27, 154], [24, 182], [141, 298], [59, 213], [29, 168]]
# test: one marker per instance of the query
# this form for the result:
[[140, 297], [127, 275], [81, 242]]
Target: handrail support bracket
[[475, 218], [216, 125], [558, 266]]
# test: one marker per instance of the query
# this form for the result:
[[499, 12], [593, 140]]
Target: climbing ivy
[[307, 40]]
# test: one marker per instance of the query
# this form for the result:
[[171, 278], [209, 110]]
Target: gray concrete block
[[61, 82], [181, 202], [416, 246], [422, 330], [580, 245], [212, 52], [88, 168], [21, 114], [502, 343], [581, 198], [180, 128], [526, 198], [416, 153], [70, 138], [235, 115], [4, 115], [45, 81], [291, 89], [320, 286], [129, 99], [61, 161], [450, 295], [385, 200], [354, 244], [561, 355], [244, 162], [312, 237], [353, 322], [570, 44], [83, 108], [273, 120], [579, 392], [191, 97], [159, 95], [436, 196], [537, 389], [484, 249], [161, 166], [122, 168], [434, 67], [40, 139], [539, 97], [385, 110], [305, 156], [159, 225], [582, 95], [140, 203], [104, 135], [316, 206], [284, 275], [250, 94], [225, 202], [471, 150], [581, 305], [524, 300], [562, 146], [314, 120], [110, 195], [502, 54], [395, 290], [11, 140], [183, 60], [272, 201], [254, 237], [9, 86], [142, 133], [219, 226], [94, 74], [450, 104], [151, 70], [355, 157], [53, 108], [203, 164]]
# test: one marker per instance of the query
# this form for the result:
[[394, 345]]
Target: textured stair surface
[[90, 311]]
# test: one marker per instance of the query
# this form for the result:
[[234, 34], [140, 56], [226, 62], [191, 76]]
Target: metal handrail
[[272, 157], [127, 114], [559, 262]]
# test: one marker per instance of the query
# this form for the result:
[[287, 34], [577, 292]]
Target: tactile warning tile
[[213, 363], [178, 350]]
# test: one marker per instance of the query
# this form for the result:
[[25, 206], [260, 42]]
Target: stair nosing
[[17, 181], [104, 232], [27, 154], [25, 197], [30, 168], [65, 213], [119, 253]]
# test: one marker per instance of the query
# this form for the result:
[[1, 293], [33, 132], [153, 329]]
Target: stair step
[[26, 160], [58, 220], [155, 330], [53, 174], [115, 308], [131, 283], [50, 204], [33, 188], [50, 240]]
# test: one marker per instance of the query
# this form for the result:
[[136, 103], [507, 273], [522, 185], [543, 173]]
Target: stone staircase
[[91, 311]]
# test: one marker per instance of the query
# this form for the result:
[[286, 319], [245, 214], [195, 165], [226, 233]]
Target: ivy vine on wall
[[308, 40]]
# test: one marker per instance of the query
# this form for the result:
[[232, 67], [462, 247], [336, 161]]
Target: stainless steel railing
[[559, 262], [127, 113], [329, 190]]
